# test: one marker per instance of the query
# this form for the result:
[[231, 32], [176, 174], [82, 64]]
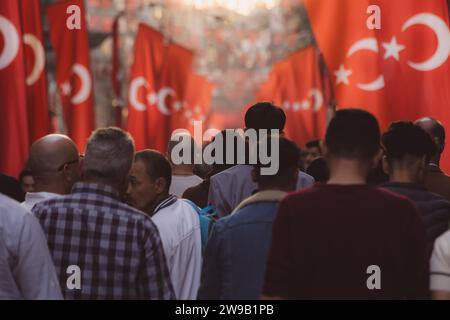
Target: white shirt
[[440, 264], [31, 198], [26, 266], [179, 228], [181, 183]]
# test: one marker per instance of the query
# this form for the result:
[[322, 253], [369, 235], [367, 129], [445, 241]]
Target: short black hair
[[318, 169], [25, 173], [265, 115], [156, 164], [313, 144], [289, 157], [353, 134], [404, 138]]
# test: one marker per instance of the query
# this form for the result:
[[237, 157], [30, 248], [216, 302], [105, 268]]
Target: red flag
[[414, 42], [296, 84], [173, 84], [37, 102], [143, 93], [14, 138], [351, 53], [73, 71], [196, 103]]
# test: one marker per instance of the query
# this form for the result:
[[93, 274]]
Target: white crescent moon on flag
[[371, 45], [442, 32], [135, 85], [162, 95], [39, 58], [318, 99], [11, 42], [86, 84]]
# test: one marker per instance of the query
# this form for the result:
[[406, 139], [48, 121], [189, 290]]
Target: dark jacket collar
[[403, 185]]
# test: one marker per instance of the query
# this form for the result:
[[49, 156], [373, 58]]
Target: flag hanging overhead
[[73, 71], [34, 54], [14, 136]]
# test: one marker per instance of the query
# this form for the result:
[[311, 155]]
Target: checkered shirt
[[117, 248]]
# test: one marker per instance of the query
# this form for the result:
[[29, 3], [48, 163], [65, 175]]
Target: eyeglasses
[[60, 168]]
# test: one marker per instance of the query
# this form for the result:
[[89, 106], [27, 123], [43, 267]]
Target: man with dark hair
[[408, 149], [26, 180], [313, 150], [55, 163], [437, 180], [10, 187], [236, 253], [228, 188], [113, 250], [347, 239], [177, 221]]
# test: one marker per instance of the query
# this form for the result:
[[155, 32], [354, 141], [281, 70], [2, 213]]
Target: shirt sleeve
[[211, 281], [440, 264], [417, 261], [279, 264], [154, 280], [35, 271], [217, 198]]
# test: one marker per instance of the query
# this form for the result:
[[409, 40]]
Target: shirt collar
[[97, 188], [170, 200]]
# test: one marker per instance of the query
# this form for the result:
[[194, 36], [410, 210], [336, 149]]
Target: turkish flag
[[143, 117], [407, 59], [73, 71], [196, 103], [296, 84], [351, 53], [173, 84], [414, 42], [14, 137], [34, 54]]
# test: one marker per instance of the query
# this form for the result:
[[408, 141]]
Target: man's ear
[[254, 175], [377, 158], [161, 185], [423, 162], [386, 166]]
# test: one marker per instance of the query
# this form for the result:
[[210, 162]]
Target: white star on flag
[[393, 49], [342, 75], [66, 88], [306, 105]]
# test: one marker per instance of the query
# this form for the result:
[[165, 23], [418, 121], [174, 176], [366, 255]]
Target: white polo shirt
[[440, 264], [179, 228]]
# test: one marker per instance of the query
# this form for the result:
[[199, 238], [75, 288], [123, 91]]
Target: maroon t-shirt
[[325, 238]]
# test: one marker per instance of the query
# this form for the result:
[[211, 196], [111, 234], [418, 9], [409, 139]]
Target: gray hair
[[109, 154]]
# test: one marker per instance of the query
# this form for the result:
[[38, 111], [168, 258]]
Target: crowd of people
[[360, 215]]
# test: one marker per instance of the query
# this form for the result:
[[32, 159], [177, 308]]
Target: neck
[[403, 177], [182, 170], [51, 188], [348, 172], [275, 188], [160, 198]]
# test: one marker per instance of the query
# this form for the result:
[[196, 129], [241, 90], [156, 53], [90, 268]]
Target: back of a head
[[353, 134], [109, 155], [47, 155], [265, 115], [435, 129], [404, 141], [157, 165], [313, 144], [288, 157]]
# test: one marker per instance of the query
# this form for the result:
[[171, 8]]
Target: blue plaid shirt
[[116, 247]]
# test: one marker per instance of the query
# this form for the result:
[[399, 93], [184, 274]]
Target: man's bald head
[[49, 157], [436, 130]]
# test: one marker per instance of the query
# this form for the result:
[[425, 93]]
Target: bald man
[[55, 164], [437, 181]]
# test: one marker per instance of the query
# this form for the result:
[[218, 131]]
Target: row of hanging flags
[[398, 72], [164, 93]]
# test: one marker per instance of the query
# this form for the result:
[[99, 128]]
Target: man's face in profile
[[142, 190]]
